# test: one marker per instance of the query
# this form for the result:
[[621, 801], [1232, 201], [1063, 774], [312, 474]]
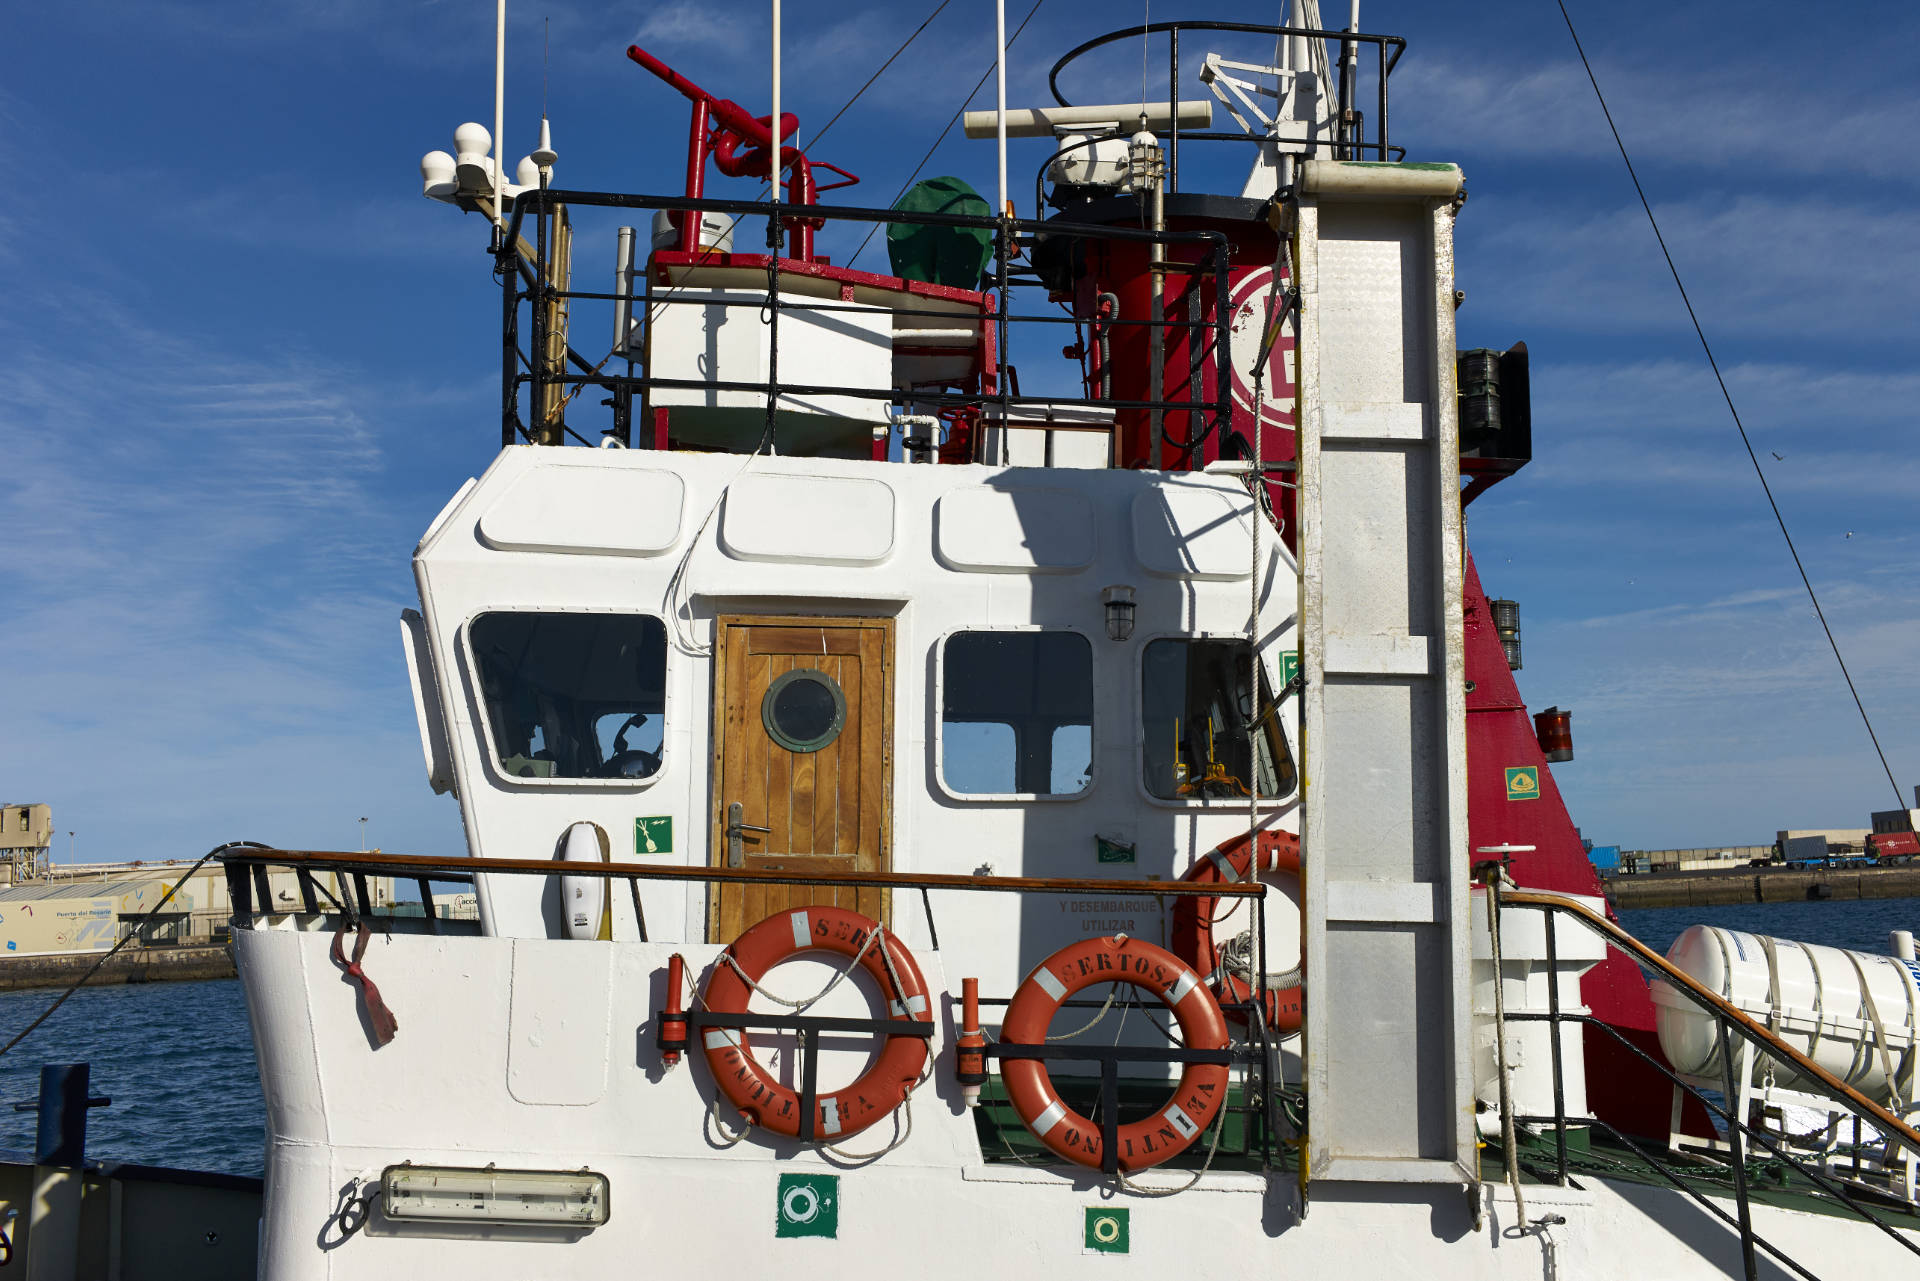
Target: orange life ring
[[763, 1100], [1229, 862], [1115, 959]]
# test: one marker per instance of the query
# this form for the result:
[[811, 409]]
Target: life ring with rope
[[867, 944], [1231, 862], [1115, 958]]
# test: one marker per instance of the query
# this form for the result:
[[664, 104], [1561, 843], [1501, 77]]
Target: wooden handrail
[[415, 865], [1889, 1123]]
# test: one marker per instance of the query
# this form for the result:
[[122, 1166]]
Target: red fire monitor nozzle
[[741, 145]]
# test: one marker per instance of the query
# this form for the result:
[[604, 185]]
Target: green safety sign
[[1523, 783], [1106, 1231], [809, 1206], [1112, 851], [1289, 666], [653, 835]]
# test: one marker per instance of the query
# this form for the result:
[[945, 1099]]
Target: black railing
[[1740, 1134], [527, 272], [1350, 141]]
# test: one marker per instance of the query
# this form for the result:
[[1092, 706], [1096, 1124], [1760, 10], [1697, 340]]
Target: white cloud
[[1724, 116]]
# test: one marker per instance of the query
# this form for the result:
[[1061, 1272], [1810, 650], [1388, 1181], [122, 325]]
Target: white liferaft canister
[[1814, 998]]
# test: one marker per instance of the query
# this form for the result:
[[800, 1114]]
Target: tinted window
[[1016, 713], [573, 695], [1196, 698]]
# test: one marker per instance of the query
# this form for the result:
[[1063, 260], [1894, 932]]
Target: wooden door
[[803, 744]]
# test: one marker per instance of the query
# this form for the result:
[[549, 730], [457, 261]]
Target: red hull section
[[1621, 1089]]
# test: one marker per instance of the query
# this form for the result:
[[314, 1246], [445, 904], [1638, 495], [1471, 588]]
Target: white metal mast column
[[1388, 1054]]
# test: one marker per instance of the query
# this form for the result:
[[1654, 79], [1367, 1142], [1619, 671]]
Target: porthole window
[[804, 709]]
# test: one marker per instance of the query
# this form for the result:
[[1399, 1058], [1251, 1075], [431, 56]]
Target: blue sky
[[246, 363]]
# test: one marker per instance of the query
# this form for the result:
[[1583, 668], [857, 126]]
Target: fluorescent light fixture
[[443, 1193]]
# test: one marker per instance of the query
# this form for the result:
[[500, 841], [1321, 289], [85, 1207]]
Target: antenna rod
[[499, 111], [773, 173], [1000, 98]]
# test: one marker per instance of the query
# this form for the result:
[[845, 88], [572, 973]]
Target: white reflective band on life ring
[[1185, 985], [1228, 872], [1181, 1121], [914, 1005], [1049, 1118], [830, 1115], [1051, 985], [802, 932], [721, 1037]]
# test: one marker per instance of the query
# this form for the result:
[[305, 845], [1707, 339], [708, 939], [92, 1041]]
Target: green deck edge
[[1004, 1140]]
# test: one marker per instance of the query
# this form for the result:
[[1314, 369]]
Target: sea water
[[177, 1058]]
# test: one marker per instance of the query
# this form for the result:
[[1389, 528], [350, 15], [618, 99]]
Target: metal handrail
[[1725, 1011], [416, 865], [1347, 143], [531, 283]]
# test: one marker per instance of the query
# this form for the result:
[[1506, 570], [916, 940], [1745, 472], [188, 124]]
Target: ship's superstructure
[[906, 808]]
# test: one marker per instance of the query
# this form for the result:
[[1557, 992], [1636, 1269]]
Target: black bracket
[[1110, 1057], [808, 1028]]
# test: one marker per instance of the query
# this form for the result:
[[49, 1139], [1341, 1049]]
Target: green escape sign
[[1289, 665], [808, 1206], [1523, 783], [653, 835], [1106, 1231]]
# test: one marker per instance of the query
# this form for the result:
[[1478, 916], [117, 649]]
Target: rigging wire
[[942, 135], [1705, 346]]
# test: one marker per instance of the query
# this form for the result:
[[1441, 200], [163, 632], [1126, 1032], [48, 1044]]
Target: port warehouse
[[1791, 847], [89, 907], [1799, 846]]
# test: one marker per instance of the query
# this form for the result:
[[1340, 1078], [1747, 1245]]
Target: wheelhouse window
[[1196, 699], [1016, 714], [573, 695]]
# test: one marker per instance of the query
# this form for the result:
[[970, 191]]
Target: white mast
[[773, 174], [499, 111], [1000, 98]]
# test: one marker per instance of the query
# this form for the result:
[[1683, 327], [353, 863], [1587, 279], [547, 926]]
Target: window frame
[[937, 715], [477, 691], [1205, 804]]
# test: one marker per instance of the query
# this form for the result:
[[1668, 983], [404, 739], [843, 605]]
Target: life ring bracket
[[806, 1027], [1110, 1057]]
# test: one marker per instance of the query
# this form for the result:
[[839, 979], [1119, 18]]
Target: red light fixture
[[1554, 729]]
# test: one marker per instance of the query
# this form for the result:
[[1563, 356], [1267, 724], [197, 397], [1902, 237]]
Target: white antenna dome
[[544, 155], [471, 139], [526, 173], [436, 175], [472, 143]]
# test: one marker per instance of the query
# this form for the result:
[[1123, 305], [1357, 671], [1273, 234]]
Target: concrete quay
[[1762, 885], [131, 965]]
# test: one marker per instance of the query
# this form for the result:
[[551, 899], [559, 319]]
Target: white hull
[[498, 1061]]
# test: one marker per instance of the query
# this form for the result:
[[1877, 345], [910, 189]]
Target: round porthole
[[804, 710]]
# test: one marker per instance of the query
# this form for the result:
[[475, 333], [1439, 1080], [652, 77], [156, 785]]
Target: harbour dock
[[130, 965], [1763, 885]]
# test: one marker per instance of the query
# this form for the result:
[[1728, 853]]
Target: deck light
[[1554, 729], [1119, 602], [556, 1198]]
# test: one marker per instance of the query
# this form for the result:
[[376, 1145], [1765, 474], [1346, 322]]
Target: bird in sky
[[1777, 455]]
